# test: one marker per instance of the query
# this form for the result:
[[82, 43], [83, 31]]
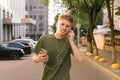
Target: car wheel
[[14, 56]]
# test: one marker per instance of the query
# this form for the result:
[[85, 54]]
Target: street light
[[78, 35], [36, 30]]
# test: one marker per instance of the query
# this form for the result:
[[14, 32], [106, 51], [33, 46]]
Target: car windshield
[[1, 46]]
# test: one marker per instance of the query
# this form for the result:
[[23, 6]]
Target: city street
[[56, 27], [26, 69]]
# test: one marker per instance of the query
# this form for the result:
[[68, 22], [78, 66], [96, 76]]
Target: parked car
[[10, 52], [27, 42], [31, 41], [27, 49]]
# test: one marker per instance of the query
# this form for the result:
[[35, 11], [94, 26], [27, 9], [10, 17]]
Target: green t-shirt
[[58, 50]]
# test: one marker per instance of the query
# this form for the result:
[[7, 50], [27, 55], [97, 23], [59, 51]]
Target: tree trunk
[[113, 46], [92, 35], [89, 42], [94, 44], [110, 17], [92, 40]]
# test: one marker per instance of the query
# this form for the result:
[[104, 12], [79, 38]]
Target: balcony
[[19, 21]]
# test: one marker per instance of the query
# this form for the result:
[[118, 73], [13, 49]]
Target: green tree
[[110, 9], [91, 8], [118, 11], [99, 20], [54, 25]]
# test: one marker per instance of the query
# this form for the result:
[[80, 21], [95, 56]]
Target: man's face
[[63, 26]]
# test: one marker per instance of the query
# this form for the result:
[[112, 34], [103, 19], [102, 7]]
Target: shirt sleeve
[[38, 45]]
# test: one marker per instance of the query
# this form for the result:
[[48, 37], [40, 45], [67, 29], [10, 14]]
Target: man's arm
[[78, 56]]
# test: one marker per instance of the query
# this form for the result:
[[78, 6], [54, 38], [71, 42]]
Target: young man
[[59, 46]]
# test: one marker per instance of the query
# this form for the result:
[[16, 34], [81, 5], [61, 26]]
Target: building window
[[41, 29], [41, 7], [40, 17], [34, 17], [30, 28], [41, 24], [26, 8], [7, 14], [34, 29], [34, 7], [30, 8], [3, 13], [11, 15], [26, 16], [26, 29], [30, 16]]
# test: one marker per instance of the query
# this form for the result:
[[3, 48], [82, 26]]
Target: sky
[[54, 10]]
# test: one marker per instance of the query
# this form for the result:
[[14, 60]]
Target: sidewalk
[[106, 66]]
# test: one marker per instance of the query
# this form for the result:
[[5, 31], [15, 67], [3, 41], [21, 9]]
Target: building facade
[[116, 17], [39, 12], [12, 19]]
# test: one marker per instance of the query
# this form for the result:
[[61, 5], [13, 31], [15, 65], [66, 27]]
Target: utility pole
[[78, 34]]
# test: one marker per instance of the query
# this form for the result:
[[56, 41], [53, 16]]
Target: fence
[[108, 43]]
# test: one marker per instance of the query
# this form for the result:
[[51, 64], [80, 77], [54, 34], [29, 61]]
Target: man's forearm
[[78, 56]]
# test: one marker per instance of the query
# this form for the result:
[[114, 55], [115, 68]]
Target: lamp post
[[36, 29], [78, 34]]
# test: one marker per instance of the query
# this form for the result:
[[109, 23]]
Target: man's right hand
[[41, 57]]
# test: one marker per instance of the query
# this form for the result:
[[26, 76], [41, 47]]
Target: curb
[[113, 75]]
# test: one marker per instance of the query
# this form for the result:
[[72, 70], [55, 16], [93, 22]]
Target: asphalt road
[[87, 71], [26, 69]]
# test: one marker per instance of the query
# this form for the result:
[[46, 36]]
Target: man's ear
[[56, 23]]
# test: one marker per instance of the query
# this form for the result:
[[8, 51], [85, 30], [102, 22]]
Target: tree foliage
[[91, 8], [118, 11]]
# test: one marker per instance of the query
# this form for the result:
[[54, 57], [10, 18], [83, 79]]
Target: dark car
[[24, 42], [10, 52], [27, 49]]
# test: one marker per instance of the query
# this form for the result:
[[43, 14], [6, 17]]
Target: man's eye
[[62, 24], [67, 26]]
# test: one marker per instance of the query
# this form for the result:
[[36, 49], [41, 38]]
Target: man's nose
[[64, 27]]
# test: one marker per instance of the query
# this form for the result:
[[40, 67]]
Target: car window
[[0, 46], [19, 45], [5, 45], [25, 42], [14, 45]]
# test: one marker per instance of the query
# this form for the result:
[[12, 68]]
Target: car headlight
[[22, 51]]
